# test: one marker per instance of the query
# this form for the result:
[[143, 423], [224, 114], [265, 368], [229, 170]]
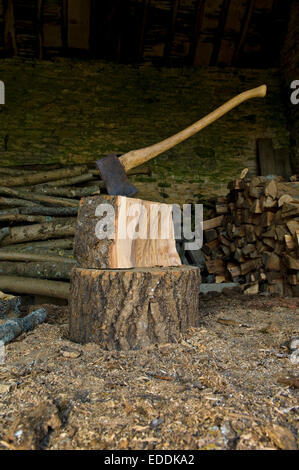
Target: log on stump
[[124, 217], [132, 309]]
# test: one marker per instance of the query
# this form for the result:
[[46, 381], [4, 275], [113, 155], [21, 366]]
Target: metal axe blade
[[114, 176]]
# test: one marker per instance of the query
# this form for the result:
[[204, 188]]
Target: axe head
[[114, 176]]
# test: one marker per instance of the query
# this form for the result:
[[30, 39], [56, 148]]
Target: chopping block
[[133, 308], [129, 292]]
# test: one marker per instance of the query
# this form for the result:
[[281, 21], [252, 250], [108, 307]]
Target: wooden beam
[[10, 41], [220, 31], [40, 40], [64, 26], [200, 12], [146, 4], [171, 31], [244, 30]]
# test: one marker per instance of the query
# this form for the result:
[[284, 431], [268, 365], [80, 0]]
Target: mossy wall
[[71, 111]]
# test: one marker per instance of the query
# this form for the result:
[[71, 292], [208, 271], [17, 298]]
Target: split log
[[133, 309], [39, 232], [292, 262], [212, 223], [11, 329], [290, 209], [44, 176], [94, 247], [24, 285]]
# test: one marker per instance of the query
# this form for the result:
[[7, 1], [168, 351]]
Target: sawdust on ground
[[228, 384]]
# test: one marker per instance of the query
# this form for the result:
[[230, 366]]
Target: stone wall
[[71, 111], [290, 69]]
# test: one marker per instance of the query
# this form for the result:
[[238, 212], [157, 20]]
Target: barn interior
[[82, 79], [87, 78]]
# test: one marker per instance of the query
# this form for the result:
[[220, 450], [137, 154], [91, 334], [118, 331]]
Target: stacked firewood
[[38, 211], [257, 241]]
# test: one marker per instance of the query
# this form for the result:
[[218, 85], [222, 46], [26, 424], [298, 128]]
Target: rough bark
[[14, 202], [14, 255], [132, 309], [40, 232], [11, 329], [50, 211], [59, 244], [23, 285], [72, 180], [44, 176], [30, 196], [38, 270], [70, 192]]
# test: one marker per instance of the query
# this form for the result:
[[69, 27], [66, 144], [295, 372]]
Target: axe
[[113, 168]]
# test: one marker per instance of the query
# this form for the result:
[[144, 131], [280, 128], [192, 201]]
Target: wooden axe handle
[[137, 157]]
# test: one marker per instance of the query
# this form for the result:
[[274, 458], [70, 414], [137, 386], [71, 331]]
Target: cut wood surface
[[132, 309], [212, 223], [256, 243], [93, 249]]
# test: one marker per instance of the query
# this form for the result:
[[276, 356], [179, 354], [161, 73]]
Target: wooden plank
[[78, 24], [200, 11], [232, 31], [146, 4], [220, 31], [282, 162], [266, 156], [171, 31], [64, 26], [244, 31], [10, 41], [40, 39]]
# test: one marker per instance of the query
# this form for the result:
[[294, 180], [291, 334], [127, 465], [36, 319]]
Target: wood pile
[[257, 243], [38, 215]]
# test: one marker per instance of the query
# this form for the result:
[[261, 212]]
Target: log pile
[[38, 213], [257, 243]]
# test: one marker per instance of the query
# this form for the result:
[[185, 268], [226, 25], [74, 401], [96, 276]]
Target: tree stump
[[132, 309]]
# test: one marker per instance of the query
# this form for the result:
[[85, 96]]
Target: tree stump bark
[[132, 309]]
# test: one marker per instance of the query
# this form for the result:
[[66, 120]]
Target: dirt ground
[[229, 384]]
